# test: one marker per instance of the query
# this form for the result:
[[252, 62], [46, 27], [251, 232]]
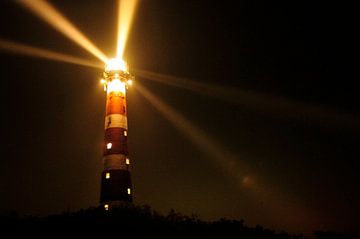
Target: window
[[125, 133], [127, 161], [124, 109], [109, 145], [107, 175], [106, 207], [129, 191]]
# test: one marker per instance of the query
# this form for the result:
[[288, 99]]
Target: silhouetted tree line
[[132, 220]]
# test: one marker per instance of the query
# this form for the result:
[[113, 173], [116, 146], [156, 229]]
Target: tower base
[[115, 186]]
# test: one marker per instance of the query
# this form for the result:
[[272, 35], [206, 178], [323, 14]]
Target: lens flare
[[126, 11], [280, 209], [18, 48], [50, 15]]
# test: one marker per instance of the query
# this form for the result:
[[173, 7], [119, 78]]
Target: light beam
[[126, 11], [270, 105], [280, 208], [49, 14], [18, 48], [214, 150]]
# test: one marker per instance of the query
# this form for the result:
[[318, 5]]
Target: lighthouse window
[[129, 191], [107, 175], [106, 207], [109, 145], [127, 161], [125, 133]]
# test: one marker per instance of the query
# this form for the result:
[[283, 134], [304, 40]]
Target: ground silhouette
[[133, 220]]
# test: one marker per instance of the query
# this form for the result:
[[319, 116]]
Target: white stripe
[[116, 121]]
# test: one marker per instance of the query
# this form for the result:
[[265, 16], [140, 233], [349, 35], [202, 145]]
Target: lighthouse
[[116, 186]]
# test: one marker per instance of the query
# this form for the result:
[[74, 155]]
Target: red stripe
[[116, 137]]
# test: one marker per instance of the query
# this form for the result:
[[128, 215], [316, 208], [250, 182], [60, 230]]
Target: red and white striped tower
[[115, 179]]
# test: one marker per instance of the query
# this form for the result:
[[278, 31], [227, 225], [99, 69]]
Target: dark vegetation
[[132, 220]]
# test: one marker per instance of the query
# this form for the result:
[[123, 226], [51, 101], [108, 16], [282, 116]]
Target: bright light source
[[106, 207], [127, 161], [116, 86], [109, 145], [102, 81], [129, 82], [129, 191], [107, 175], [116, 64], [125, 133]]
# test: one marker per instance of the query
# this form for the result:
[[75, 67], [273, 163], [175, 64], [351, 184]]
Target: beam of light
[[199, 138], [50, 15], [270, 105], [126, 11], [279, 209], [18, 48]]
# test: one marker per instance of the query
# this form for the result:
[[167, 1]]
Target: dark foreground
[[139, 221]]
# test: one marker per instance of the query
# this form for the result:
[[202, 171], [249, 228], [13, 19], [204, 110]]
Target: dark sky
[[303, 171]]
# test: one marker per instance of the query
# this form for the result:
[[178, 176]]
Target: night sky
[[294, 171]]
